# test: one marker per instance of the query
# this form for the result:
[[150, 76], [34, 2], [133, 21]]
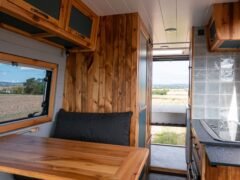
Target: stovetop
[[222, 130]]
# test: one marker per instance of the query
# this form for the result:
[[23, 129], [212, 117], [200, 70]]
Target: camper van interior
[[120, 89]]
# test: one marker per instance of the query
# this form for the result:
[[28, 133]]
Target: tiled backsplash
[[216, 82]]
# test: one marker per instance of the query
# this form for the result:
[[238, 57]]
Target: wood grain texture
[[57, 27], [226, 17], [107, 80], [221, 172], [51, 159]]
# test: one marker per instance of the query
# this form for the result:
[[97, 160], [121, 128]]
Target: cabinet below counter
[[214, 159]]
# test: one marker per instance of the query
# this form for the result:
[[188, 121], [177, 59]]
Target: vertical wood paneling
[[102, 74], [115, 32], [69, 86], [128, 63], [121, 67], [107, 80], [79, 84], [134, 77], [108, 105], [93, 86]]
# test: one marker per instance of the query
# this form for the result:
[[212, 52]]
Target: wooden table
[[48, 158]]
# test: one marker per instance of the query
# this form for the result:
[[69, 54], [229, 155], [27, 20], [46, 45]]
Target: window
[[27, 90]]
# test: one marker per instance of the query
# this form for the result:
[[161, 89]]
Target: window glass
[[24, 91]]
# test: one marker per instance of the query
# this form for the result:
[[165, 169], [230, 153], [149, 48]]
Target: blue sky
[[170, 72], [9, 73]]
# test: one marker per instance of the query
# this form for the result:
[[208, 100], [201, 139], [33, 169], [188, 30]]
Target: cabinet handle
[[39, 12]]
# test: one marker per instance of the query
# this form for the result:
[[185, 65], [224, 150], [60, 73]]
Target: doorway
[[169, 103]]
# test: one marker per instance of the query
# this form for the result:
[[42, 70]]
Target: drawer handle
[[40, 13]]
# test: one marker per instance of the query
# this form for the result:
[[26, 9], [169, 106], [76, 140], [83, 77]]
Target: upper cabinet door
[[51, 10], [82, 21]]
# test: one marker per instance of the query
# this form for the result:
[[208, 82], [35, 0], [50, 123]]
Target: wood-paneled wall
[[106, 80]]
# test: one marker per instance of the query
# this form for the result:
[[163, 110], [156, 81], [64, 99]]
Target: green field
[[168, 135]]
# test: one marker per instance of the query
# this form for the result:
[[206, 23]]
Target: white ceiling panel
[[183, 24], [161, 14], [155, 16]]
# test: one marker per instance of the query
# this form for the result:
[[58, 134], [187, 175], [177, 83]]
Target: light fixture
[[167, 52], [164, 46], [171, 30]]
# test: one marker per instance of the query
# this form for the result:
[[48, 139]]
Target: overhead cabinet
[[45, 9], [84, 15], [68, 24], [223, 30]]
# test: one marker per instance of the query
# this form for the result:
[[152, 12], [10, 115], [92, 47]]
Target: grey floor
[[153, 176], [169, 157]]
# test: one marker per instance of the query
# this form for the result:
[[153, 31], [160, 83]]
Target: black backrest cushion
[[109, 128]]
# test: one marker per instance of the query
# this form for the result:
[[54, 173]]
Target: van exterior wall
[[15, 44]]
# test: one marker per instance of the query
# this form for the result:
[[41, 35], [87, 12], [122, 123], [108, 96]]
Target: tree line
[[32, 86]]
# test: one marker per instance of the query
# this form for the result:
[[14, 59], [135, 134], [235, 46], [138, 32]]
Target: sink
[[221, 130]]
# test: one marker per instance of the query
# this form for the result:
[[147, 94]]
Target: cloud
[[3, 73], [26, 68]]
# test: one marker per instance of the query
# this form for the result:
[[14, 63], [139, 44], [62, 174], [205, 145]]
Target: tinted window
[[80, 22], [50, 7]]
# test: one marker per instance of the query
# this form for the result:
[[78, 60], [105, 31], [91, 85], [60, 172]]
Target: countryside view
[[21, 91]]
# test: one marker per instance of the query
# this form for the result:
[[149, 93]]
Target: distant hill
[[9, 84], [170, 86]]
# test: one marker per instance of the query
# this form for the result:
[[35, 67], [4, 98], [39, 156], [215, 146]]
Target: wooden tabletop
[[49, 158]]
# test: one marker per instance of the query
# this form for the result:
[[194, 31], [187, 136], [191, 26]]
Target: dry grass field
[[18, 106], [173, 97]]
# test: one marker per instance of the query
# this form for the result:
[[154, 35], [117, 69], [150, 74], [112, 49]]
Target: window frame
[[28, 122]]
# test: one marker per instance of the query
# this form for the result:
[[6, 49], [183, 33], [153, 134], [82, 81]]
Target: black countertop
[[218, 152]]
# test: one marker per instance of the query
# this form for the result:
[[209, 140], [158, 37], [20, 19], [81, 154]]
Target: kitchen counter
[[218, 152]]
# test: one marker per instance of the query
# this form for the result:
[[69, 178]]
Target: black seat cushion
[[109, 128]]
